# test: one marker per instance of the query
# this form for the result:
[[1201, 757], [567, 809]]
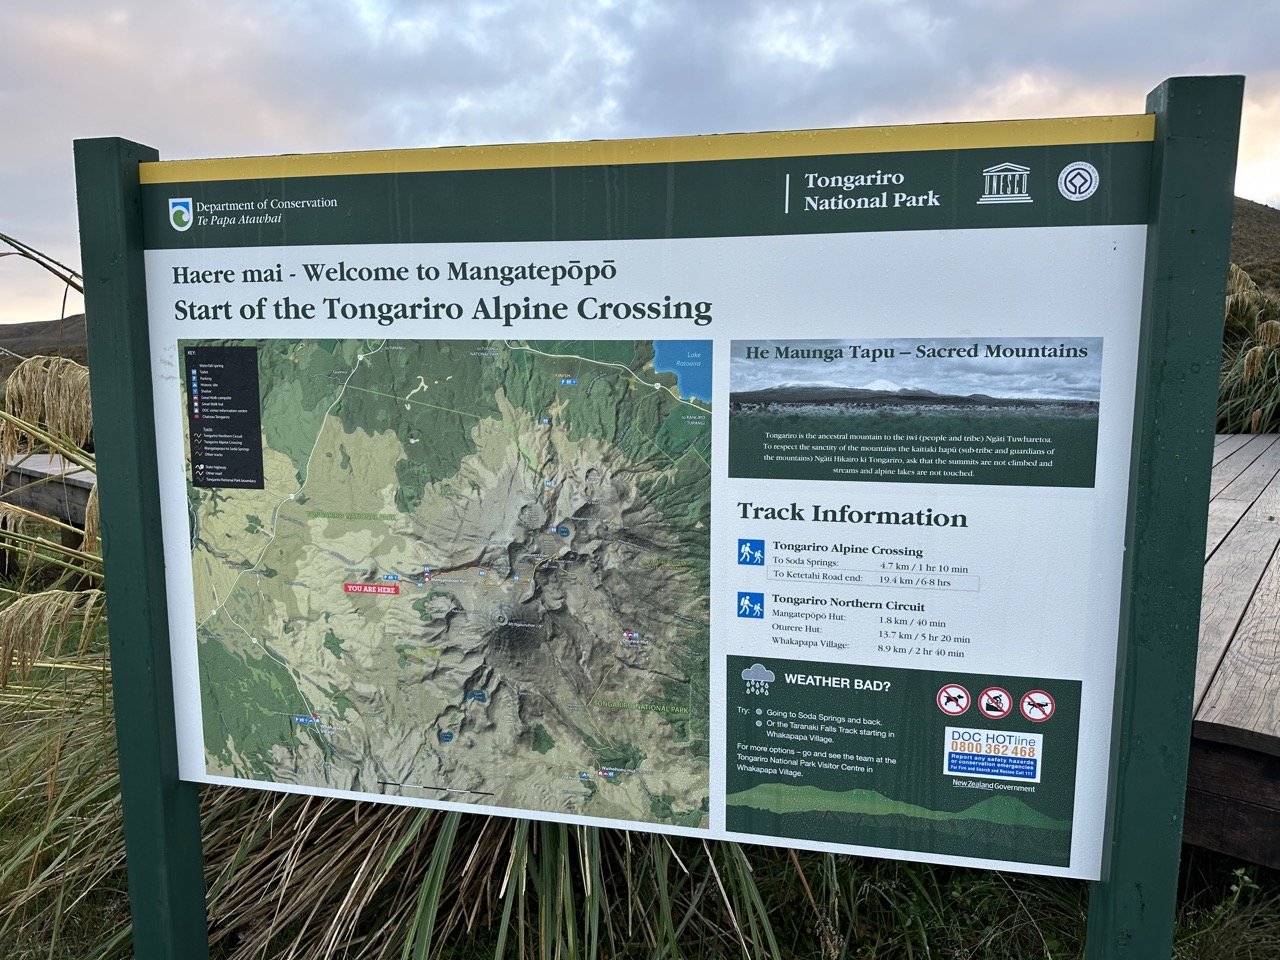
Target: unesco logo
[[1078, 181]]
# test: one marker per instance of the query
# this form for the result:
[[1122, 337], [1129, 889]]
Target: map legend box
[[224, 416]]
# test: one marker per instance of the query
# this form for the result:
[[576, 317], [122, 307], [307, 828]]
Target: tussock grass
[[51, 394], [91, 540], [307, 877], [1249, 389], [1249, 379], [34, 622], [1247, 309], [59, 801]]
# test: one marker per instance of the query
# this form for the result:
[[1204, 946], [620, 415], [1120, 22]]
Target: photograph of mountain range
[[1021, 411]]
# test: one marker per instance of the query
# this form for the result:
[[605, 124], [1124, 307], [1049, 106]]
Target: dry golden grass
[[1249, 378], [51, 393], [50, 619], [1238, 282], [92, 523], [1247, 307]]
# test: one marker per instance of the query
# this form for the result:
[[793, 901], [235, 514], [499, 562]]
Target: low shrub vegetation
[[1249, 382]]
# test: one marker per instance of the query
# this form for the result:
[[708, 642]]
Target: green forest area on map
[[478, 571]]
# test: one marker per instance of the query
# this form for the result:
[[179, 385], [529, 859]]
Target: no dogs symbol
[[953, 699]]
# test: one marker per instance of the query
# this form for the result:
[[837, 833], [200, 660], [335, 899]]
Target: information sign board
[[765, 487]]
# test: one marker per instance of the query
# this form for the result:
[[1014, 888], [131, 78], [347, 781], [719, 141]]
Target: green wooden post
[[1193, 179], [161, 813]]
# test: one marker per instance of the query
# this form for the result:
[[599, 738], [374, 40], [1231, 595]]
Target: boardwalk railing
[[50, 485]]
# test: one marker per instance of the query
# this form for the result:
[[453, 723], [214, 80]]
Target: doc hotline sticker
[[994, 754]]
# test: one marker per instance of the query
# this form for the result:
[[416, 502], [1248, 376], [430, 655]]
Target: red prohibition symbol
[[1037, 706], [995, 702], [953, 699]]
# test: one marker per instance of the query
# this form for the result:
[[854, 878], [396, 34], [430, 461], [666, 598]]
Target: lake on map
[[690, 361]]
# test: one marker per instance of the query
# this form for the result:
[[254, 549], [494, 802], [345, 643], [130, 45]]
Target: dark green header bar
[[1038, 186]]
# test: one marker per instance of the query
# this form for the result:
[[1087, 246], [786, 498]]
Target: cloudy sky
[[205, 78]]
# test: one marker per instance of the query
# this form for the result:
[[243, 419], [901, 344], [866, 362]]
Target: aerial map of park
[[475, 571]]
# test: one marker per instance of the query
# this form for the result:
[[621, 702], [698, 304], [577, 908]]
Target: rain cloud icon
[[758, 677]]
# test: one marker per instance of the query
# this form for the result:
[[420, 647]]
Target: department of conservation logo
[[1005, 183], [180, 217], [1078, 181]]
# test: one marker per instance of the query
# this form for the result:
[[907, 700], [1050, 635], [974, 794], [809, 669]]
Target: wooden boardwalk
[[1233, 791], [48, 485]]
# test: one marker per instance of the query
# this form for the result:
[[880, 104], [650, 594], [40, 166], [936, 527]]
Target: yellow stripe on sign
[[1134, 128]]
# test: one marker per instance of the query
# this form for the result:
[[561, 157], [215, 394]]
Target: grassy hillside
[[52, 338], [1255, 244]]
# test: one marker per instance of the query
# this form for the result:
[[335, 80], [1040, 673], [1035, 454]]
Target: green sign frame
[[1189, 215]]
